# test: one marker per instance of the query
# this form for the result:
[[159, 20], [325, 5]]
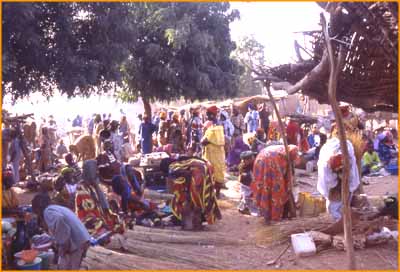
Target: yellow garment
[[214, 152], [10, 199]]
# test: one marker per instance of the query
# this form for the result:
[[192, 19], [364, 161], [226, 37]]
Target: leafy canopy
[[155, 50]]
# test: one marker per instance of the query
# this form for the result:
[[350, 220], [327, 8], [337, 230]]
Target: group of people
[[101, 195]]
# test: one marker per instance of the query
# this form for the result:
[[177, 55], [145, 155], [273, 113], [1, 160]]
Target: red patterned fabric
[[192, 182], [96, 220], [270, 186]]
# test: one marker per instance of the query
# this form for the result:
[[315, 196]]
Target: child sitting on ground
[[370, 160]]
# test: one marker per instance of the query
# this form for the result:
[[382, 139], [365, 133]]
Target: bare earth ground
[[254, 252]]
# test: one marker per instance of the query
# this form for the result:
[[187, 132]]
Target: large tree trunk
[[147, 107]]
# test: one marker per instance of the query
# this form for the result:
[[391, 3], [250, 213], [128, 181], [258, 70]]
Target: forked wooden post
[[292, 205], [335, 68]]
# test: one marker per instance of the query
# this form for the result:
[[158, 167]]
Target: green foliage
[[155, 50], [184, 50], [250, 53]]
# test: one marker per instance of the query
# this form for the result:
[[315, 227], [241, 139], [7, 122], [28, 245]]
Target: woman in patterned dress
[[271, 180]]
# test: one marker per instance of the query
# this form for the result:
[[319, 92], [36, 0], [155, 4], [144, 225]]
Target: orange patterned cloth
[[271, 177], [195, 187], [96, 220]]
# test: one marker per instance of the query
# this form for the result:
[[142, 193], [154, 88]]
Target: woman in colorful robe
[[91, 205], [214, 147], [271, 181], [190, 180]]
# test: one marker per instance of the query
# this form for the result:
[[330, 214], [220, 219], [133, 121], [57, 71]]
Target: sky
[[273, 24]]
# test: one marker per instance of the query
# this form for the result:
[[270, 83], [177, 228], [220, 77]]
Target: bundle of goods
[[155, 178], [42, 242], [311, 205], [153, 159]]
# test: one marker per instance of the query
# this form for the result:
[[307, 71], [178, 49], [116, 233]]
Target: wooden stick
[[279, 256], [385, 259], [285, 143], [335, 69]]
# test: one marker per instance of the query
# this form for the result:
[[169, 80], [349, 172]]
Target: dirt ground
[[253, 252]]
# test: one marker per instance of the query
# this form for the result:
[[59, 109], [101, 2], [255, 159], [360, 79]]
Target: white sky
[[273, 24]]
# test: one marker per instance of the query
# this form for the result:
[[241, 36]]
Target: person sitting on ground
[[109, 165], [69, 160], [65, 186], [132, 200], [246, 178], [70, 235], [259, 141], [271, 181], [387, 150], [370, 161], [128, 186], [10, 200], [190, 180]]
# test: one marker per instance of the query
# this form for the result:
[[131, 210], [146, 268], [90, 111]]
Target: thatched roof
[[369, 34]]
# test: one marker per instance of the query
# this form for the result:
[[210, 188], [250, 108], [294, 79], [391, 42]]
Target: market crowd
[[92, 190]]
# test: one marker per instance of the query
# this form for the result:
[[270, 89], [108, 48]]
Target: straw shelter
[[369, 34]]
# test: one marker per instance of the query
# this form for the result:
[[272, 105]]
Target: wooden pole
[[335, 68], [292, 206]]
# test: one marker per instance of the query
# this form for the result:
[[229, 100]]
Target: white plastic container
[[303, 244]]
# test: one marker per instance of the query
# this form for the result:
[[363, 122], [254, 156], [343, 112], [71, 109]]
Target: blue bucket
[[36, 265]]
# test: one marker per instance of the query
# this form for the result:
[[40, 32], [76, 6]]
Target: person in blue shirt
[[146, 131], [77, 122], [387, 150], [252, 119], [70, 235]]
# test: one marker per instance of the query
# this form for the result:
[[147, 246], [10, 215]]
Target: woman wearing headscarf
[[387, 150], [234, 155], [214, 147], [65, 187], [175, 136], [271, 181]]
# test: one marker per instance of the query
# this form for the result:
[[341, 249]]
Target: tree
[[75, 48], [250, 53], [184, 51], [154, 50]]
